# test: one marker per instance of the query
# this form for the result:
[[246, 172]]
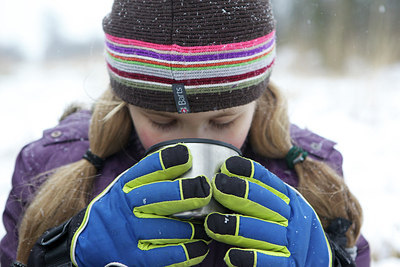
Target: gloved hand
[[128, 224], [275, 226]]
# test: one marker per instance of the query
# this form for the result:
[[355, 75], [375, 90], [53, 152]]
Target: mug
[[207, 157]]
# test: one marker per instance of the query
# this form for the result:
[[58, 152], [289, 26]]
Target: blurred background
[[338, 63], [342, 30]]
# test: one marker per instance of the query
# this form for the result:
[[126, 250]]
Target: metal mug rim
[[155, 147]]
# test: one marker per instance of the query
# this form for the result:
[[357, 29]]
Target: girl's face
[[228, 125]]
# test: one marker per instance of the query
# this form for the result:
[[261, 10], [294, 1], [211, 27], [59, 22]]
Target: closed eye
[[164, 126], [221, 126]]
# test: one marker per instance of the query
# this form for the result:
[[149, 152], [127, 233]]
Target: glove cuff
[[53, 247], [17, 264], [336, 234]]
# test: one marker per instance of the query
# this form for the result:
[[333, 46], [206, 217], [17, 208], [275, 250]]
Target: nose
[[195, 131], [192, 134]]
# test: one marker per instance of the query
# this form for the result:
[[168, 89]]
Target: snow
[[361, 112]]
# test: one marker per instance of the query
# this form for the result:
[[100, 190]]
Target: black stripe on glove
[[174, 156]]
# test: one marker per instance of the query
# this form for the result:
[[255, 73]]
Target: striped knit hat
[[189, 55]]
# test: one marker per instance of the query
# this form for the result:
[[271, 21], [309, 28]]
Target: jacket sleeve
[[363, 258], [58, 146], [17, 199]]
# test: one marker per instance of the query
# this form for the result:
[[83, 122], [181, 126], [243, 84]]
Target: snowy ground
[[361, 112]]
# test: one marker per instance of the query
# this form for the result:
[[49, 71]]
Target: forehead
[[207, 114]]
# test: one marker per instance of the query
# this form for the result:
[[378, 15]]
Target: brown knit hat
[[189, 55]]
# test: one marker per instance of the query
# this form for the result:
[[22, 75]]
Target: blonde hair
[[68, 189], [323, 188]]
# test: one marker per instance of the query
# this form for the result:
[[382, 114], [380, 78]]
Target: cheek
[[237, 139], [237, 136], [148, 137]]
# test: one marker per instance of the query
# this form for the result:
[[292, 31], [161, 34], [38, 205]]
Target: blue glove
[[128, 222], [275, 226]]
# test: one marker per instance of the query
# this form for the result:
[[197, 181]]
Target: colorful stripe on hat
[[202, 69]]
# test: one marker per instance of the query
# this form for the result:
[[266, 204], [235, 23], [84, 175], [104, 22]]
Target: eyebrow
[[227, 113], [223, 113], [159, 113]]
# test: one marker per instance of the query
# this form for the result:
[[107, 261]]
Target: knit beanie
[[189, 55]]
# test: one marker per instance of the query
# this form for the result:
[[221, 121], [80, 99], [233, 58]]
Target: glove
[[128, 222], [275, 225]]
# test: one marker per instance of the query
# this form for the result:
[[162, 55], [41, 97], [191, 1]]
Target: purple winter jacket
[[68, 141]]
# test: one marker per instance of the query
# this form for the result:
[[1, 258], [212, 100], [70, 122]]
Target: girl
[[183, 69]]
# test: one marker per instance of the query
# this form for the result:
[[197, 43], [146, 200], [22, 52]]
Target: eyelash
[[221, 126], [169, 125], [164, 126]]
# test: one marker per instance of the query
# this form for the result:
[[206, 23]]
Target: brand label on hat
[[181, 101]]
